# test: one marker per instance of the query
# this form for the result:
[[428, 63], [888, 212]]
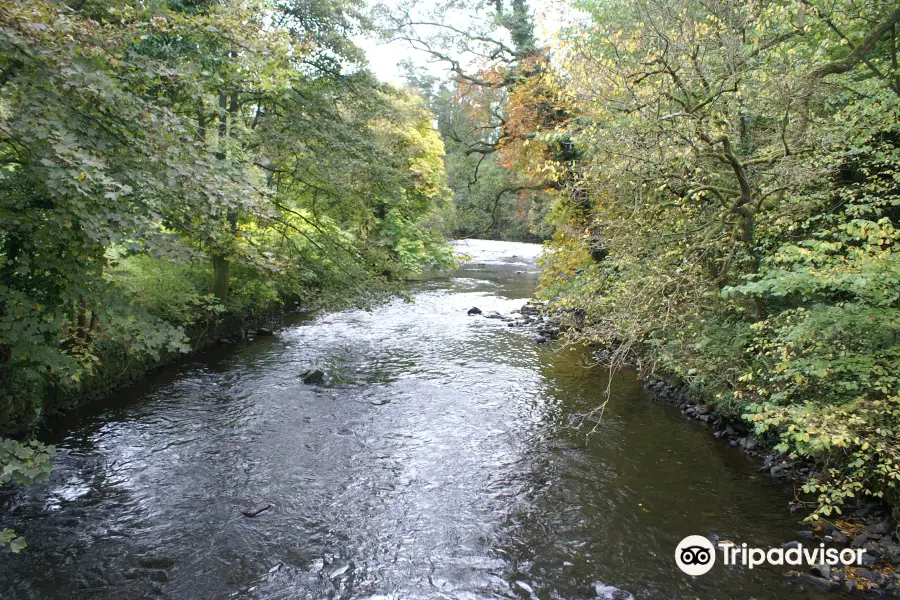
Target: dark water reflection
[[440, 462]]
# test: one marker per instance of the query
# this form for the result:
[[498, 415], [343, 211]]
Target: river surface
[[441, 460]]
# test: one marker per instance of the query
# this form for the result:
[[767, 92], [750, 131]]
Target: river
[[441, 460]]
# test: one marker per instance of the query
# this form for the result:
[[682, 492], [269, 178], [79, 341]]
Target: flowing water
[[440, 461]]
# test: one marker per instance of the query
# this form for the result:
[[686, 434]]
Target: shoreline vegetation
[[869, 525], [170, 168], [718, 185]]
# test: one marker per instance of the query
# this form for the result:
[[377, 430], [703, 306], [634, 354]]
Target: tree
[[489, 60], [734, 171], [241, 149]]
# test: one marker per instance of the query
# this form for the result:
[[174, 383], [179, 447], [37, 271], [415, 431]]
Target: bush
[[167, 290]]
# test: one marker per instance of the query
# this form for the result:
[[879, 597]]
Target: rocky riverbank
[[118, 370], [869, 526]]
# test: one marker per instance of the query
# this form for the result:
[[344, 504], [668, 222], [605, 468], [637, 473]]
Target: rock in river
[[474, 311], [608, 592], [314, 376], [261, 507]]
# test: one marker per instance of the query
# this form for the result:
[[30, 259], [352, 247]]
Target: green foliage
[[168, 291], [9, 538], [488, 198], [168, 166], [157, 173], [735, 221], [824, 375], [22, 464]]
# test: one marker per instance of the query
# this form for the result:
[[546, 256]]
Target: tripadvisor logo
[[695, 555]]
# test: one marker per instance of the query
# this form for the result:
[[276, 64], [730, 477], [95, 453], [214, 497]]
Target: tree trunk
[[221, 276], [221, 261]]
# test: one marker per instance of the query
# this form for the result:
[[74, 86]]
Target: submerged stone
[[314, 376], [826, 585], [608, 592], [255, 510]]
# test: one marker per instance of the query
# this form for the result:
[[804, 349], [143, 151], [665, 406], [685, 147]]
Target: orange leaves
[[535, 117]]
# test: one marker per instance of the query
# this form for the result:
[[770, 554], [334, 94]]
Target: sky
[[385, 58]]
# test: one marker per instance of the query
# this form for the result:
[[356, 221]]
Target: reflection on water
[[437, 462]]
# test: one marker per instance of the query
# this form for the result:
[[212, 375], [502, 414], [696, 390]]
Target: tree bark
[[221, 276], [221, 261]]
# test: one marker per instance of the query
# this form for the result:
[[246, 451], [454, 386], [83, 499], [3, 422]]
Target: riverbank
[[869, 525], [116, 369]]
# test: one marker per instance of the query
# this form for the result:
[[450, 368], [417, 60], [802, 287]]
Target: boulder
[[890, 549], [839, 537], [314, 376], [264, 331], [872, 548], [822, 570], [474, 311], [873, 576], [882, 528]]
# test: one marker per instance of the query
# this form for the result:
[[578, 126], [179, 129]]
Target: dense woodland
[[721, 181], [717, 181], [168, 167]]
